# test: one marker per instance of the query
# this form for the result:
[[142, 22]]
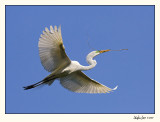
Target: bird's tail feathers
[[50, 82]]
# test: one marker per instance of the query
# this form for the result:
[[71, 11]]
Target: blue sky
[[104, 27]]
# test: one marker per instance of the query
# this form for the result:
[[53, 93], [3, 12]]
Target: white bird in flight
[[55, 60]]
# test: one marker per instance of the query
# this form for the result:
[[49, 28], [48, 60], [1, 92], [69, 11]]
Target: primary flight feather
[[55, 60]]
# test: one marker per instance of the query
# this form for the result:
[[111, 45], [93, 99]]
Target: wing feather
[[79, 82], [51, 49]]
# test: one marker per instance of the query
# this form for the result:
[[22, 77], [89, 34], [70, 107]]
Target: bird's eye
[[97, 51]]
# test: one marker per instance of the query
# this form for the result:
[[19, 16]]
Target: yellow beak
[[102, 51]]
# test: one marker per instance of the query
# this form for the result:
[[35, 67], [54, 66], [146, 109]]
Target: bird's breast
[[72, 67]]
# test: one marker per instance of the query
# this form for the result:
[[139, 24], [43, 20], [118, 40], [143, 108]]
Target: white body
[[55, 60], [72, 67]]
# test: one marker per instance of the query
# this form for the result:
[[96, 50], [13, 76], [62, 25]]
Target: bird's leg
[[46, 80], [33, 85]]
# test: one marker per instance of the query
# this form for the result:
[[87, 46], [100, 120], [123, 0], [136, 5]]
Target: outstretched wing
[[51, 49], [79, 82]]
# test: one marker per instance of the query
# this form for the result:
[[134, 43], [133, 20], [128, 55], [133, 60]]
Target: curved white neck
[[92, 63]]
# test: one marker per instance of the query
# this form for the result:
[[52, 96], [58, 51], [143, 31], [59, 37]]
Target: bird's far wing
[[51, 49], [79, 82]]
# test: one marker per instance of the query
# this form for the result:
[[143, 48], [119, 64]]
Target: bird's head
[[92, 54]]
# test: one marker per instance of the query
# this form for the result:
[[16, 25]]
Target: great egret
[[55, 60]]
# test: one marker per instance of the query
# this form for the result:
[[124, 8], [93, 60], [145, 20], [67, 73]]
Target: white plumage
[[55, 60]]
